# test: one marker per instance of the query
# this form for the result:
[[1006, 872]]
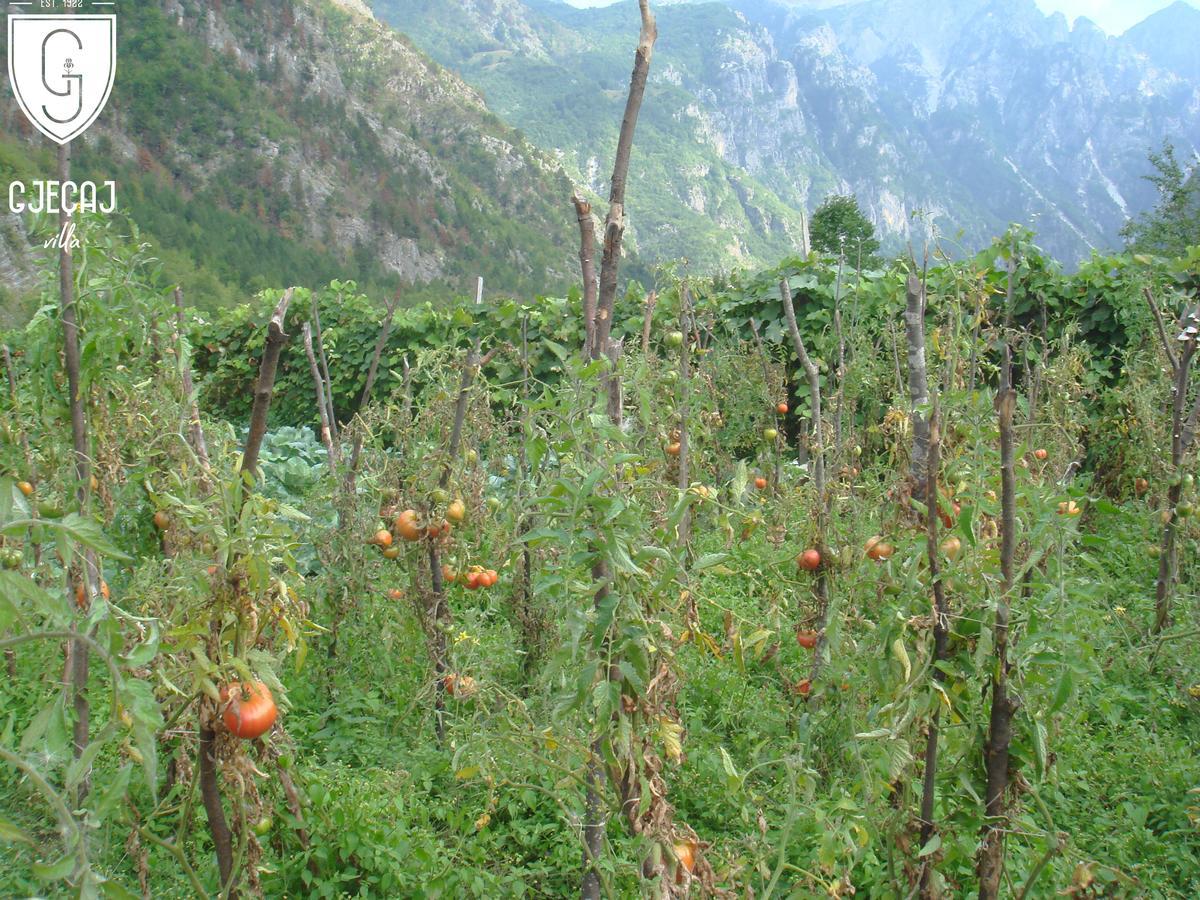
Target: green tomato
[[493, 503], [439, 496], [12, 559], [1188, 482], [263, 826], [770, 434], [48, 509], [472, 457], [675, 339]]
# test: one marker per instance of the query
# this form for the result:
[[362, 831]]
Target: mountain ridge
[[1000, 113], [304, 141]]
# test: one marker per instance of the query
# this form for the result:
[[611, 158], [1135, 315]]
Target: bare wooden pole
[[331, 450], [813, 376], [820, 652], [264, 388], [598, 334], [918, 386], [648, 320], [195, 429], [527, 616], [839, 337], [385, 332], [210, 796], [327, 381], [83, 467], [210, 791], [614, 226], [685, 393], [587, 265], [990, 862], [1183, 433], [941, 640], [407, 390]]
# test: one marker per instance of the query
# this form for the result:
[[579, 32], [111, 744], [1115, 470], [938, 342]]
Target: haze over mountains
[[974, 113]]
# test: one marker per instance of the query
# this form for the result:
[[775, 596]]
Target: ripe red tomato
[[249, 710], [809, 560], [782, 409], [806, 639], [673, 448], [760, 483], [1040, 453]]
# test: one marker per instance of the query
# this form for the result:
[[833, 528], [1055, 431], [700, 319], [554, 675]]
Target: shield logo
[[62, 69]]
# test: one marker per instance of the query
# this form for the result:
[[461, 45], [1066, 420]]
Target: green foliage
[[1174, 224], [839, 227]]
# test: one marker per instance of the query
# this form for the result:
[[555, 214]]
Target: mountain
[[969, 114], [295, 141], [1168, 39]]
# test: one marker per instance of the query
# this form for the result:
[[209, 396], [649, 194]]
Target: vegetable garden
[[811, 582]]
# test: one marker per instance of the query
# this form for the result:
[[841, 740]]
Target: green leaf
[[630, 674], [605, 611], [55, 871], [11, 834], [40, 724], [730, 771], [901, 654], [1062, 693], [708, 560], [17, 591], [145, 650], [965, 524], [111, 793], [931, 847]]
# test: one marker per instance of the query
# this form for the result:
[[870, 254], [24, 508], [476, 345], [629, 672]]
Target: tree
[[839, 225], [1174, 223]]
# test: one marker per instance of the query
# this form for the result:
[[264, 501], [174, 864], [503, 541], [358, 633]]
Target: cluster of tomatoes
[[408, 526], [475, 577], [462, 687]]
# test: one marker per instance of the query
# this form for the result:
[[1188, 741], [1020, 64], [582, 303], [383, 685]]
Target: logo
[[61, 69]]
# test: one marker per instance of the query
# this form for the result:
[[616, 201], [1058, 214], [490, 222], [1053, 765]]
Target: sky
[[1114, 16]]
